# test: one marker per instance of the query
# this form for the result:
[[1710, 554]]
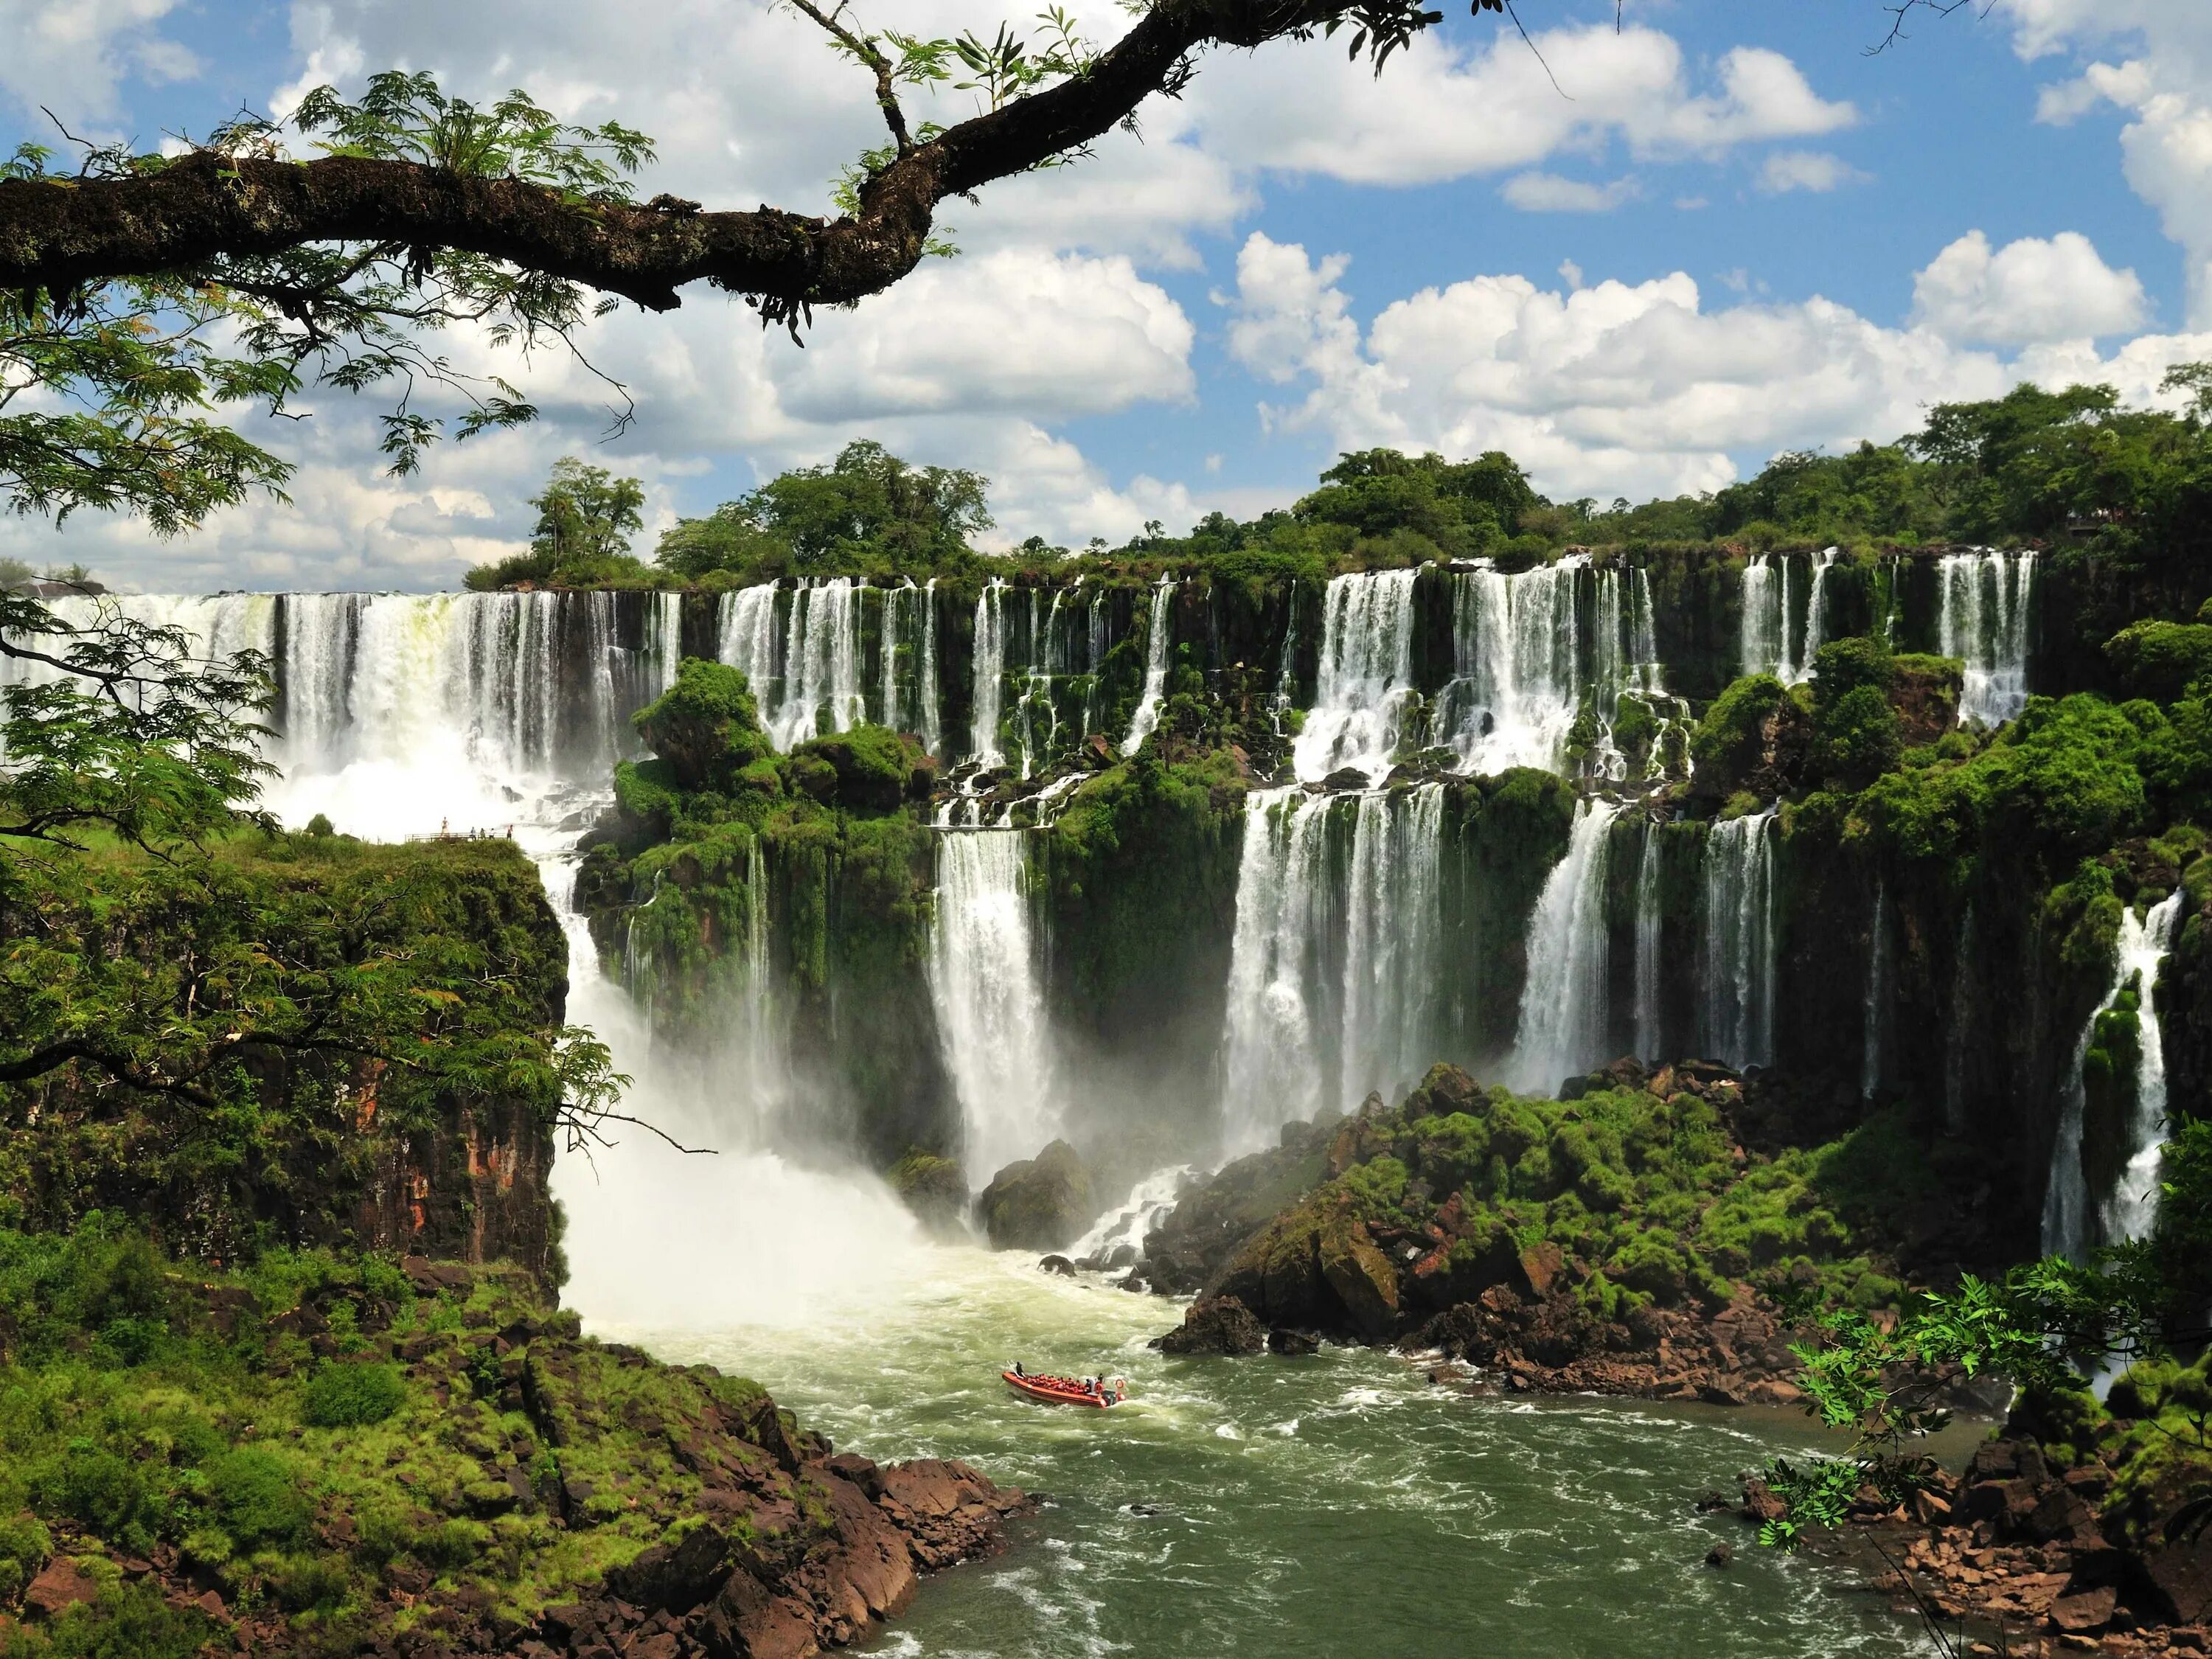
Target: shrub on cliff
[[2160, 659], [350, 1393], [1752, 738], [706, 726]]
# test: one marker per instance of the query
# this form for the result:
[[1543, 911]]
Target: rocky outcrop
[[2024, 1547], [1040, 1203], [1218, 1325], [1549, 1343], [638, 1509]]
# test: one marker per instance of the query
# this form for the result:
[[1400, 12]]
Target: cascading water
[[2127, 1212], [1335, 957], [1117, 1237], [1875, 1013], [1740, 941], [1764, 636], [1517, 669], [821, 664], [1037, 714], [1283, 913], [1390, 920], [1156, 627], [990, 687], [1816, 612], [984, 980], [1562, 1000], [1366, 676], [926, 692], [1766, 631], [1650, 1018], [1983, 622], [1095, 648]]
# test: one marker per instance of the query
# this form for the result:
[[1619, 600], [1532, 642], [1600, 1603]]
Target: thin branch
[[864, 47]]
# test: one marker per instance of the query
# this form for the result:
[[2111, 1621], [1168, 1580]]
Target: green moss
[[352, 1394], [705, 726]]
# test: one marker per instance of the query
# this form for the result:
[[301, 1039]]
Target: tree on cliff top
[[585, 516]]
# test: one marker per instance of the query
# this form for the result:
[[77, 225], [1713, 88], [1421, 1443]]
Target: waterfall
[[1983, 622], [1816, 613], [984, 982], [821, 664], [897, 601], [1334, 958], [990, 675], [1366, 676], [663, 643], [1563, 1000], [1156, 668], [1047, 663], [1390, 919], [1095, 648], [1740, 941], [1651, 1017], [2127, 1212], [1765, 632], [1517, 682], [1125, 1226], [1874, 1015], [932, 728], [745, 637], [1283, 909]]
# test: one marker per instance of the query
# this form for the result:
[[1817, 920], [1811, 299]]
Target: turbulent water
[[1327, 1506]]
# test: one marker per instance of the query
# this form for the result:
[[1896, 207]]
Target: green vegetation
[[585, 517], [314, 1434], [1645, 1194]]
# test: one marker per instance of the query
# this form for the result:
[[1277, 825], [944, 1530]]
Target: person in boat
[[1018, 1371]]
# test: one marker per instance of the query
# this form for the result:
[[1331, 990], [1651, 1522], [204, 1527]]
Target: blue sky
[[1729, 230]]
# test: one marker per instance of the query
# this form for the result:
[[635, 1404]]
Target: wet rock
[[1283, 1339], [1040, 1203], [2182, 1573], [1058, 1264], [1219, 1325], [1720, 1555], [935, 1188]]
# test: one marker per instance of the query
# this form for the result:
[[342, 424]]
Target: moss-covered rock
[[1040, 1203], [706, 726]]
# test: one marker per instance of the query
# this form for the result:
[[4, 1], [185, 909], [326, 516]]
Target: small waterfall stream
[[1390, 922], [1875, 1009], [1767, 629], [1283, 905], [1984, 622], [1651, 1019], [1365, 677], [1562, 1000], [1740, 941], [990, 675], [984, 982], [2127, 1212], [1156, 629]]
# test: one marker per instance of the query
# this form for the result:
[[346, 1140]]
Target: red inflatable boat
[[1068, 1390]]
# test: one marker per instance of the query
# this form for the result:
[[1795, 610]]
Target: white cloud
[[1445, 110], [1806, 169], [70, 55], [1616, 388], [1547, 192], [2028, 292], [2164, 85]]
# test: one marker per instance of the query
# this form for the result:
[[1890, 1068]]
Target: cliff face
[[309, 1142]]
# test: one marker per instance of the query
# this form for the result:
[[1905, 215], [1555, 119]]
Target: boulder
[[1221, 1324], [1040, 1203], [935, 1188], [1282, 1339], [1361, 1275], [2182, 1571], [2085, 1611], [1057, 1264], [60, 1584]]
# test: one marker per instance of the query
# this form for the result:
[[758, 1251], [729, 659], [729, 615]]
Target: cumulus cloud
[[2161, 79], [1448, 108], [1547, 192], [1615, 388], [1806, 169], [70, 55], [2028, 292]]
